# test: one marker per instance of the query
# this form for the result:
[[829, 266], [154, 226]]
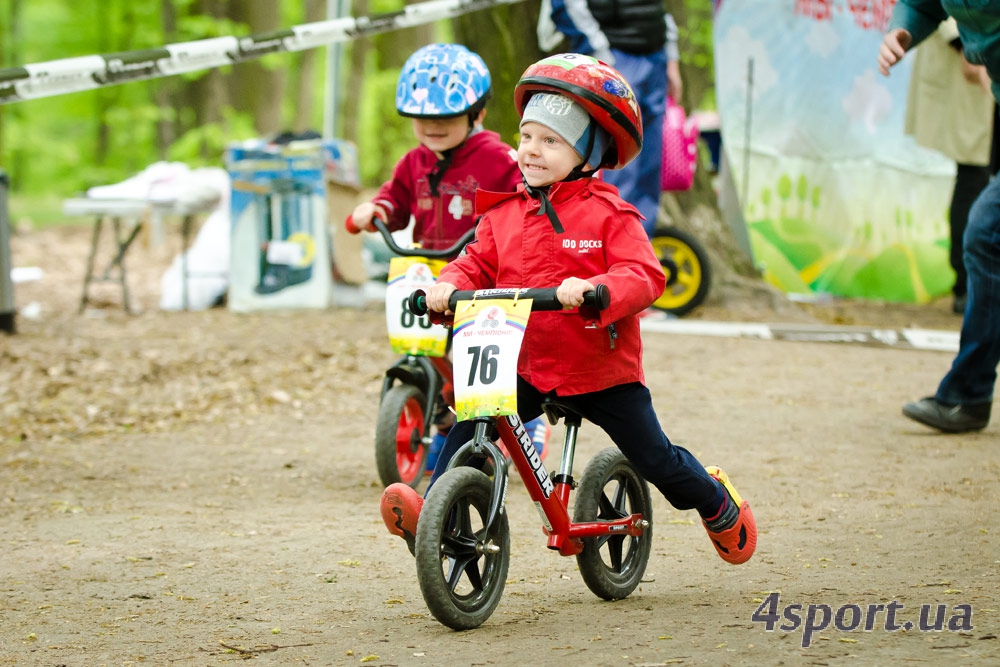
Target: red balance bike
[[411, 398], [462, 546]]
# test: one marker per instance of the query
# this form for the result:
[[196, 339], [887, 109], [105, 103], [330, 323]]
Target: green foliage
[[204, 144], [383, 135]]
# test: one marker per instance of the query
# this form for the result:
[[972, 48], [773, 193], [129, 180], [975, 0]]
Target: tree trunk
[[166, 88], [255, 88], [305, 80], [350, 107], [103, 98], [504, 37], [207, 94]]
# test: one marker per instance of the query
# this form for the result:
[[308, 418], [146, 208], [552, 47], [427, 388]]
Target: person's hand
[[363, 214], [570, 293], [675, 85], [438, 295], [976, 74], [893, 48]]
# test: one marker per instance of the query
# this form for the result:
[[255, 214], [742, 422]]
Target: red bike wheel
[[400, 451]]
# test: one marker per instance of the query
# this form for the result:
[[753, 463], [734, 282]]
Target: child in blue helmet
[[444, 88]]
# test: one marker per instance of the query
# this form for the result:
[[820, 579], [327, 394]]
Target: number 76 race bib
[[485, 343]]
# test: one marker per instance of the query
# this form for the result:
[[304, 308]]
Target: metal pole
[[7, 310], [335, 9]]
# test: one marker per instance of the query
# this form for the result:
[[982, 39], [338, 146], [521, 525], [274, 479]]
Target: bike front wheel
[[400, 453], [611, 489], [461, 571], [689, 274]]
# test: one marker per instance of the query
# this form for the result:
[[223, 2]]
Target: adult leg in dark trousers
[[969, 182]]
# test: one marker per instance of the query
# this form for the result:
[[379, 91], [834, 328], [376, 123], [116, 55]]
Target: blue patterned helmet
[[442, 81]]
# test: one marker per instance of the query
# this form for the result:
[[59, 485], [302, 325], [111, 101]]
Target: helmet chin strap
[[437, 173], [579, 170], [544, 205]]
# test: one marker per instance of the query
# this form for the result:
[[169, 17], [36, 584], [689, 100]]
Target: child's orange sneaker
[[400, 508], [737, 542]]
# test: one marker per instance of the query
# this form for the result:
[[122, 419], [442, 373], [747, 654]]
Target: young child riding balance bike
[[444, 89], [565, 228]]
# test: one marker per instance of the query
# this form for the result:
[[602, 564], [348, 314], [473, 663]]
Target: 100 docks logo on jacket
[[582, 245]]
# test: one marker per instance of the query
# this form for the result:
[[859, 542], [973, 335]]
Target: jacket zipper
[[613, 334]]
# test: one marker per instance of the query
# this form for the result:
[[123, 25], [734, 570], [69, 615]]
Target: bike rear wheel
[[611, 488], [461, 573], [400, 453], [689, 283]]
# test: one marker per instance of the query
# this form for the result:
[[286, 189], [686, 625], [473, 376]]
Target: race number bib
[[485, 345], [409, 334]]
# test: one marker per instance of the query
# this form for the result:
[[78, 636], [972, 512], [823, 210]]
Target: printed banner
[[409, 334], [486, 343], [837, 200]]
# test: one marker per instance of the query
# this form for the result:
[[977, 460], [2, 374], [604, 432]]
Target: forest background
[[56, 147]]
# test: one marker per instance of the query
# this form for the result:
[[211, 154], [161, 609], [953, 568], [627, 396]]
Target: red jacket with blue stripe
[[603, 242]]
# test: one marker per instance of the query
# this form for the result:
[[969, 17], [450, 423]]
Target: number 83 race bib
[[409, 334]]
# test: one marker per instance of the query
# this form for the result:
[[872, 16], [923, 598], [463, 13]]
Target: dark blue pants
[[626, 414], [973, 373]]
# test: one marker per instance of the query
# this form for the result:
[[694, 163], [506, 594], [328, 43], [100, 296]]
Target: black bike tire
[[606, 580], [389, 412], [698, 252], [465, 489]]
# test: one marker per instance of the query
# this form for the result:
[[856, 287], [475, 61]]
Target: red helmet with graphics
[[598, 88]]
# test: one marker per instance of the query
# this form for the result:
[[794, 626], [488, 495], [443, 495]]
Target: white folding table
[[121, 213]]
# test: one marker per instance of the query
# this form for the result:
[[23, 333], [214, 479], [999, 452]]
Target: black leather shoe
[[948, 418]]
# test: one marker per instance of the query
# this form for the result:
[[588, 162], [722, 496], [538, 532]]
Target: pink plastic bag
[[680, 149]]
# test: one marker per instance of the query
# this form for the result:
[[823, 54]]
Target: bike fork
[[481, 446]]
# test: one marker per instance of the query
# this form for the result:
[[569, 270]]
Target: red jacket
[[603, 242], [483, 161]]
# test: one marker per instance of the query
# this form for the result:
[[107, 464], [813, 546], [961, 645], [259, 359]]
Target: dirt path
[[199, 489]]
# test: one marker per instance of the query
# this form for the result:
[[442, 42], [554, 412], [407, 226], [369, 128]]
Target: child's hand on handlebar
[[437, 297], [570, 293], [363, 214]]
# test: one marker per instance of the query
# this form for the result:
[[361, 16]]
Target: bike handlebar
[[543, 298], [443, 253]]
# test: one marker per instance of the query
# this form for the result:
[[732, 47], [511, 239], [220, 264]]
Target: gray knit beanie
[[570, 121]]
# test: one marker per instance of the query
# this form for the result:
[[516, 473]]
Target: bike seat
[[554, 411]]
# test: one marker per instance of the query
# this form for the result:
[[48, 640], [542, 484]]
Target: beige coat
[[944, 112]]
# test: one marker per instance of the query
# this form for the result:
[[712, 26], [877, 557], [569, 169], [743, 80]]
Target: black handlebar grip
[[600, 298], [417, 303]]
